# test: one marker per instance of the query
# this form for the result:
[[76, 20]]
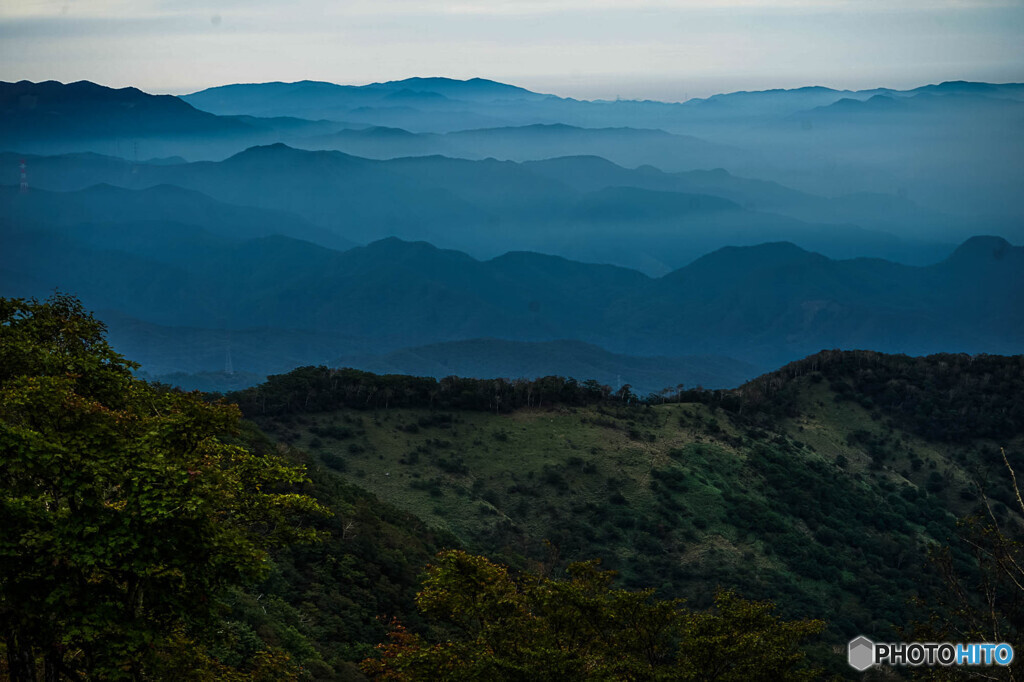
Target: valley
[[315, 381]]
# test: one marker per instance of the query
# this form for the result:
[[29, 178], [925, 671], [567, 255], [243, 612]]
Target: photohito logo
[[862, 653]]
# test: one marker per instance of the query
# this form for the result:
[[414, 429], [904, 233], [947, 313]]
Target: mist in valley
[[307, 223]]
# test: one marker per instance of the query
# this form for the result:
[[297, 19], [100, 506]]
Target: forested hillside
[[822, 486], [825, 488], [147, 534]]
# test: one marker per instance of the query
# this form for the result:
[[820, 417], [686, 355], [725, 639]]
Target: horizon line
[[174, 92]]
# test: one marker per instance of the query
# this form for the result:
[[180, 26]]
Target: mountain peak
[[746, 258], [983, 248], [394, 248], [281, 151], [455, 88]]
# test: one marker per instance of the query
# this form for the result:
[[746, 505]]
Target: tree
[[744, 640], [124, 509], [982, 573], [490, 625]]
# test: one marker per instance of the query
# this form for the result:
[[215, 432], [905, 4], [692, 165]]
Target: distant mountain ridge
[[112, 205], [583, 208], [273, 98], [817, 140], [52, 118], [761, 226], [488, 358], [58, 108], [761, 305]]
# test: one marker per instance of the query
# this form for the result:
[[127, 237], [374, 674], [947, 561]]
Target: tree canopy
[[491, 625], [124, 509], [318, 389]]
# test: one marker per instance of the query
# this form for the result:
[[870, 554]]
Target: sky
[[592, 49]]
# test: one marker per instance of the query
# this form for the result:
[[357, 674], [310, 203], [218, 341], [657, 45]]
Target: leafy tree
[[490, 625], [744, 640], [124, 509]]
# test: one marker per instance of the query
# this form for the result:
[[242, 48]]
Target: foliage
[[491, 625], [322, 602], [945, 397], [124, 510], [124, 484], [983, 572], [707, 503], [317, 389]]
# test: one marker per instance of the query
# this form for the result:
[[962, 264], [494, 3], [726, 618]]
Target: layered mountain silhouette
[[519, 359], [115, 207], [517, 106], [518, 232], [582, 208], [941, 146], [85, 109], [296, 99], [762, 305], [52, 118], [624, 146]]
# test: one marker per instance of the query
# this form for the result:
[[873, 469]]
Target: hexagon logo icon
[[861, 653]]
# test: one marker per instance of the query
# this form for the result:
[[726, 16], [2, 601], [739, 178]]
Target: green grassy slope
[[821, 486], [809, 498]]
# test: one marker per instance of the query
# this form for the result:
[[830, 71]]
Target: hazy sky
[[658, 49]]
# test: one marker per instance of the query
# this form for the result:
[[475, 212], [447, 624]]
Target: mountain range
[[520, 359], [940, 145], [400, 226], [432, 296], [584, 208], [624, 146], [761, 305], [508, 105]]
